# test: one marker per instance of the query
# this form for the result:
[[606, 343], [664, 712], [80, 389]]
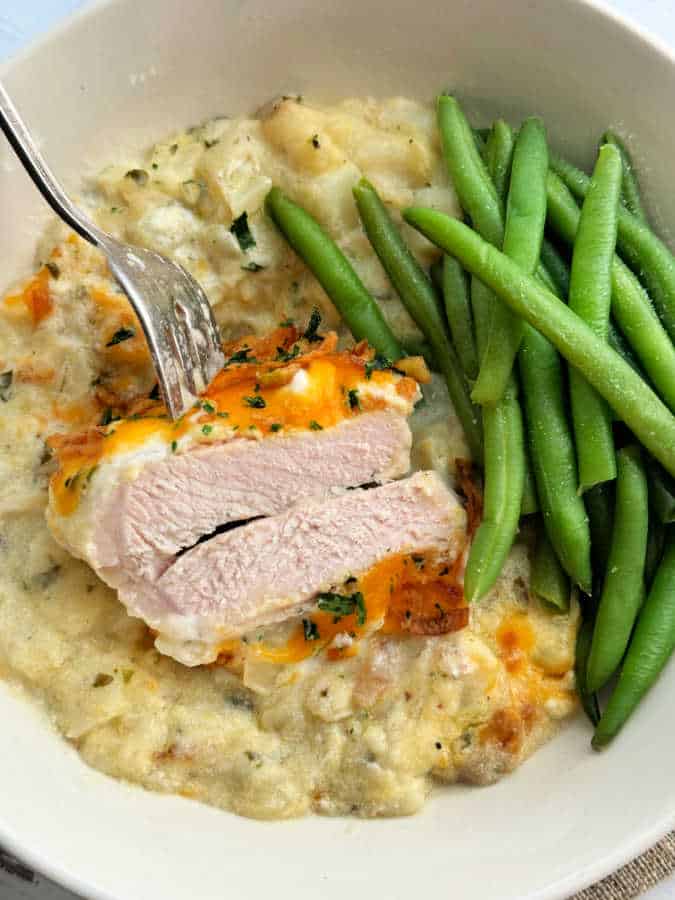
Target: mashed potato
[[368, 734]]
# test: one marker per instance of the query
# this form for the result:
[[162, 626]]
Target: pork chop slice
[[139, 512], [272, 569]]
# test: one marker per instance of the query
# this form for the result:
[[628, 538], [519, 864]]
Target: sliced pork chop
[[133, 528], [271, 569], [130, 494]]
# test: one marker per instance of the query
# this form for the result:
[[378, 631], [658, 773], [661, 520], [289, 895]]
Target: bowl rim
[[626, 851]]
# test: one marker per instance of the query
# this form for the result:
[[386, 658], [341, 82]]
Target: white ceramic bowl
[[127, 72]]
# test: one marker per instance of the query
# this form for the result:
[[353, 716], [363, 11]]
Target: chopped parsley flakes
[[256, 402], [310, 630], [353, 398], [377, 364], [6, 379], [242, 232], [284, 355], [122, 334], [208, 406], [314, 425], [241, 356], [276, 426], [207, 429], [174, 446], [341, 605], [140, 176], [313, 326]]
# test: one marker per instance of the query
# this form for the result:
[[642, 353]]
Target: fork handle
[[24, 146]]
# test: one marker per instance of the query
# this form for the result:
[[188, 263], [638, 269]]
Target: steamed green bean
[[590, 297], [633, 400]]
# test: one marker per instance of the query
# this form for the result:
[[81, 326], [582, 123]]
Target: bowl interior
[[126, 73]]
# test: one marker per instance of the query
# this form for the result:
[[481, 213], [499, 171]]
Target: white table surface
[[20, 22]]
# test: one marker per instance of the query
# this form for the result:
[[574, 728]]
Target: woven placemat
[[636, 877]]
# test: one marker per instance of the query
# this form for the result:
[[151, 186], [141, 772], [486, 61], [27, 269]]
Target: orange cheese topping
[[248, 398], [35, 296], [412, 594], [515, 640]]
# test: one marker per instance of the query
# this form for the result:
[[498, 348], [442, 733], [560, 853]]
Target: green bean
[[530, 501], [553, 457], [655, 541], [652, 644], [502, 497], [661, 493], [475, 189], [504, 470], [645, 253], [631, 306], [551, 447], [630, 189], [619, 343], [548, 579], [498, 156], [474, 186], [623, 588], [589, 702], [480, 136], [419, 298], [633, 400], [481, 298], [334, 273], [600, 508], [557, 268], [523, 233], [436, 274], [590, 298], [458, 311], [548, 282], [502, 423]]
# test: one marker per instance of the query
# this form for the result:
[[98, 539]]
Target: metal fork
[[173, 309]]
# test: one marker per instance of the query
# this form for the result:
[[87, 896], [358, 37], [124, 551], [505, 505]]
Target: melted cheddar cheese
[[412, 594]]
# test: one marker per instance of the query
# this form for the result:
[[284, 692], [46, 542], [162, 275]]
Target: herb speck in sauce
[[310, 333], [240, 229], [139, 176], [6, 379], [310, 630], [122, 334]]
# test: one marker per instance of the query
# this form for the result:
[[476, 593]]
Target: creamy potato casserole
[[356, 694]]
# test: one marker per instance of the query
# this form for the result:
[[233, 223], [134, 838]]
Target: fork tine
[[168, 373], [200, 338], [182, 331]]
